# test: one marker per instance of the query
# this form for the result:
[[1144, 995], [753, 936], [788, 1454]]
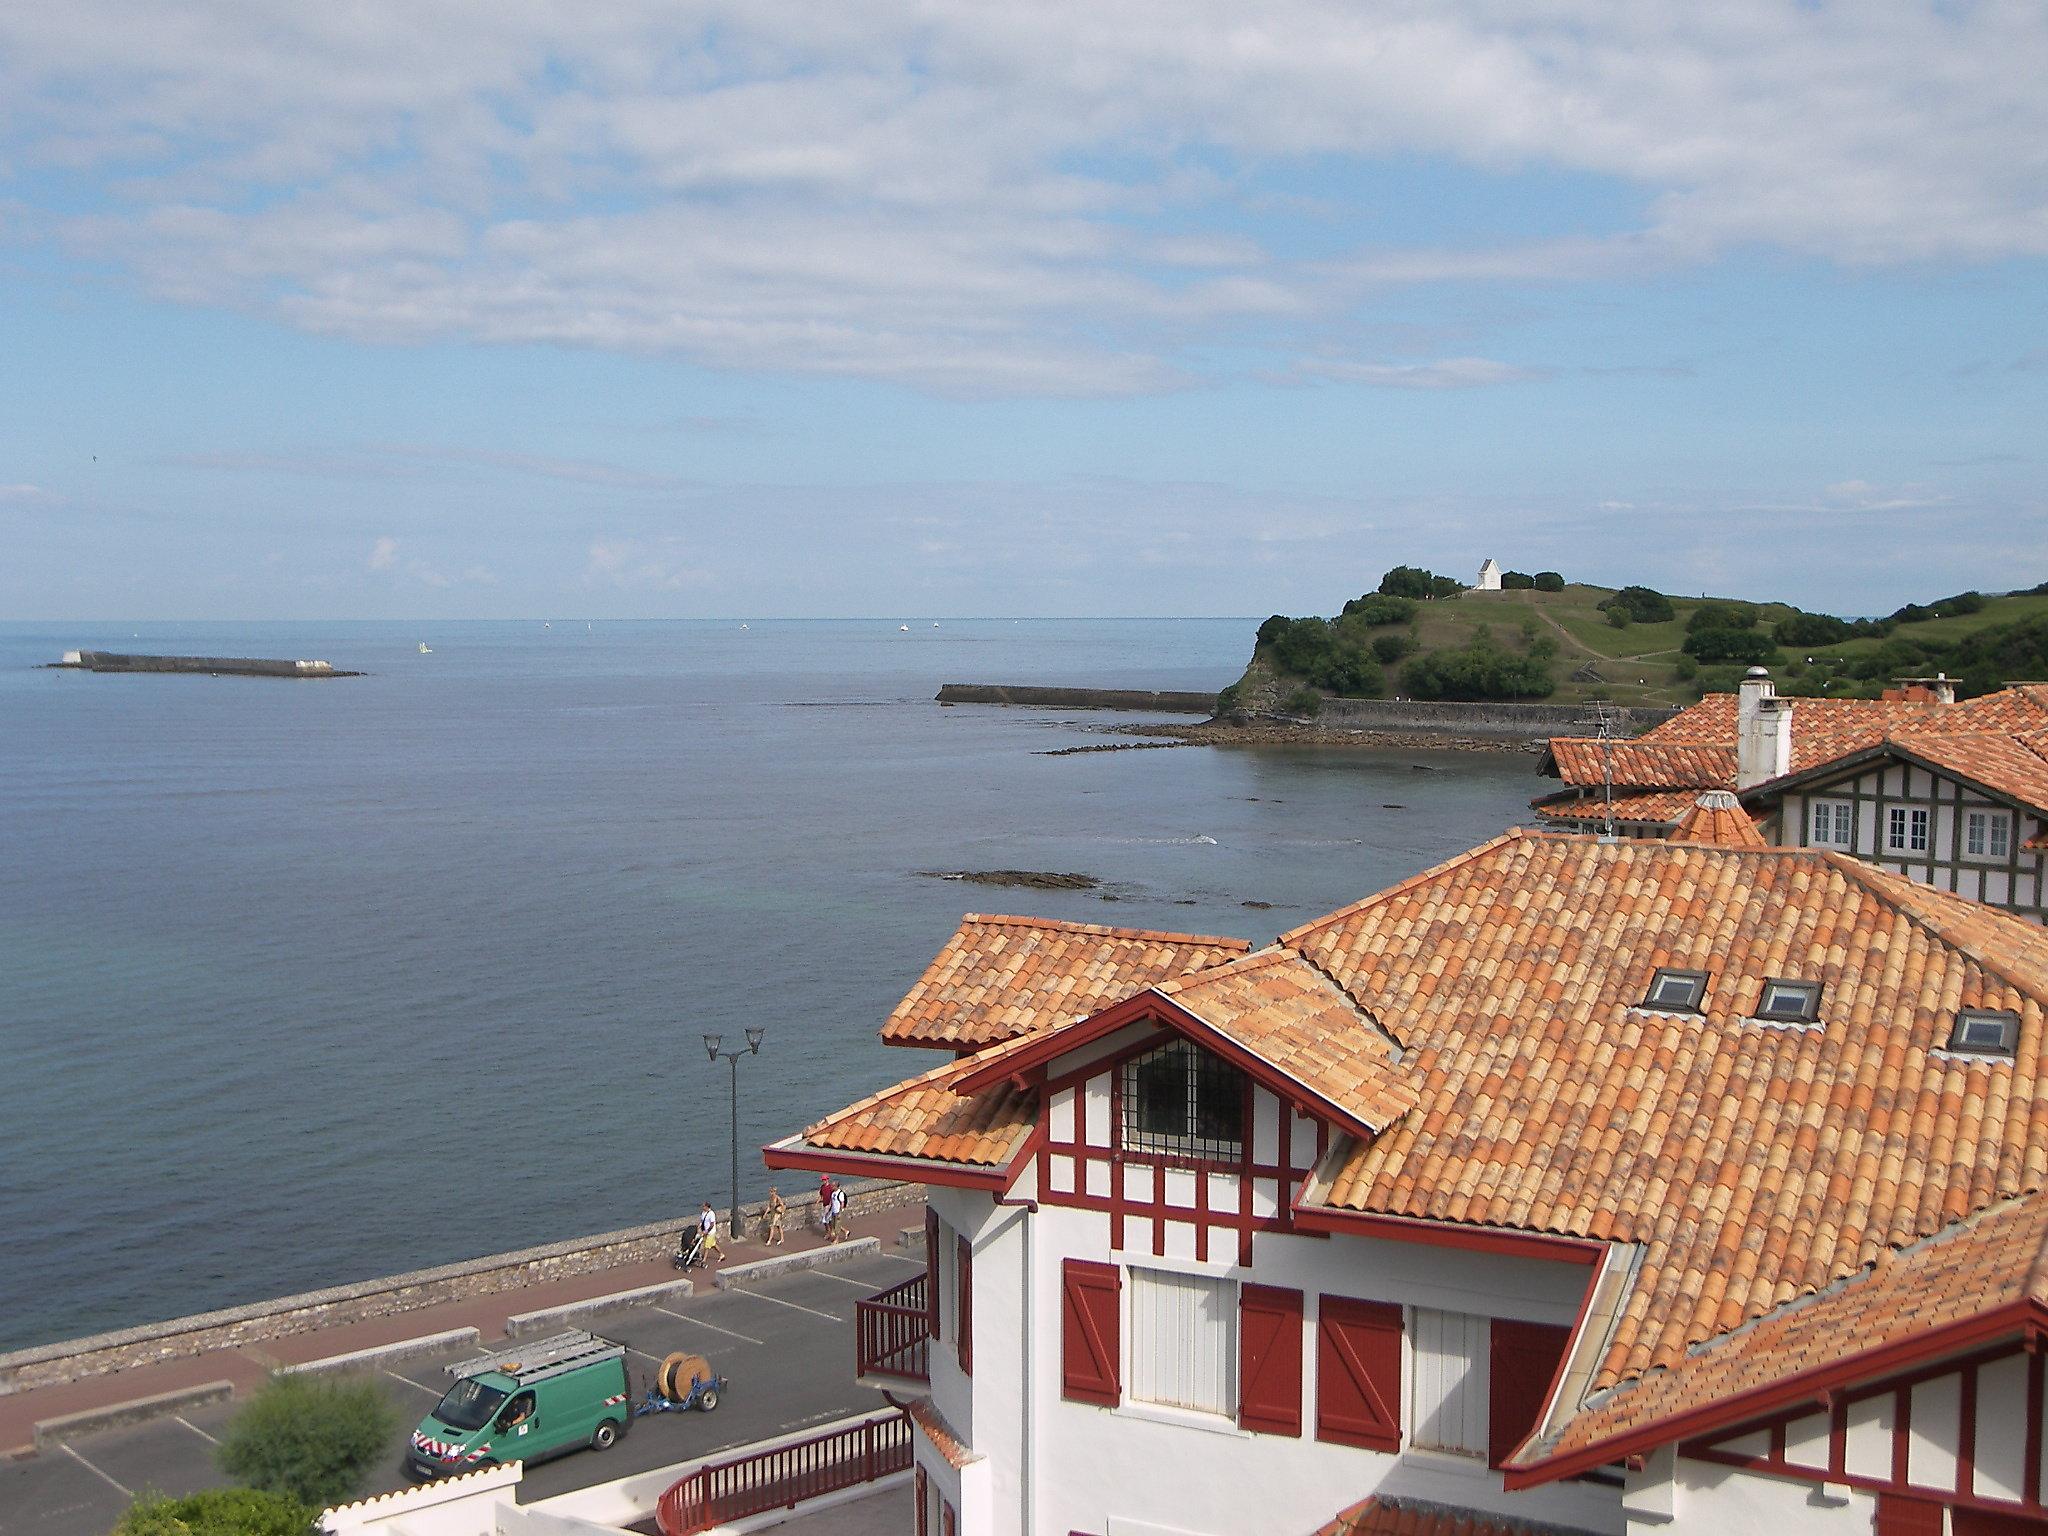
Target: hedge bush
[[217, 1512], [309, 1439]]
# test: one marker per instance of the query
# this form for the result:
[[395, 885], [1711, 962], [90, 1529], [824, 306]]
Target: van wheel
[[605, 1436], [708, 1399]]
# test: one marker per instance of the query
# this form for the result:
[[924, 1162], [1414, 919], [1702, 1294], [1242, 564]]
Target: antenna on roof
[[1603, 718]]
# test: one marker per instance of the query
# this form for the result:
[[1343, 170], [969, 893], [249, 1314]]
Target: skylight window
[[1789, 1002], [1677, 991], [1985, 1032]]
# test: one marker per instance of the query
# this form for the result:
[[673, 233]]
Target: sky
[[395, 308]]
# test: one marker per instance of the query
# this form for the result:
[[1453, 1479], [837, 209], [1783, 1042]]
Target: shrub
[[1375, 609], [1272, 628], [1517, 581], [1388, 649], [1745, 645], [217, 1512], [1617, 618], [1809, 629], [1642, 605], [1327, 655], [1686, 668], [1997, 652], [1303, 701], [1480, 671], [1549, 581], [1230, 701], [1721, 616], [309, 1439], [1414, 581], [1544, 648]]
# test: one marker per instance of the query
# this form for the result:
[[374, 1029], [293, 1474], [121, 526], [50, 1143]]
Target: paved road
[[786, 1344]]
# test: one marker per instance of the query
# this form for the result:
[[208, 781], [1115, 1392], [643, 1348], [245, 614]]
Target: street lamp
[[711, 1047]]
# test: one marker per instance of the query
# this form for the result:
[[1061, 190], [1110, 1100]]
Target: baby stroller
[[689, 1249]]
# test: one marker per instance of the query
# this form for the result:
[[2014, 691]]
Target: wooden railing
[[892, 1331], [783, 1477]]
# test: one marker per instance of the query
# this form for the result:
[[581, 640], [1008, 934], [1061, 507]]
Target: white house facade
[[1488, 1205]]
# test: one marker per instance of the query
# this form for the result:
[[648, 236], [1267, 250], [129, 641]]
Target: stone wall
[[1524, 721], [1079, 698], [233, 1327]]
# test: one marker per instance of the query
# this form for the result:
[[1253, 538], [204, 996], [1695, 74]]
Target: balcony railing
[[892, 1333], [785, 1476]]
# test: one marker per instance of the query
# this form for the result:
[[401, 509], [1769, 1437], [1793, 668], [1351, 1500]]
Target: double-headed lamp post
[[711, 1046]]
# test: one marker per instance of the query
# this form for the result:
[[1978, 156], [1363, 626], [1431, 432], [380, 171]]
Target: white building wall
[[1710, 1500]]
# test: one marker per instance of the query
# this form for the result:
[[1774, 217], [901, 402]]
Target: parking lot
[[786, 1344]]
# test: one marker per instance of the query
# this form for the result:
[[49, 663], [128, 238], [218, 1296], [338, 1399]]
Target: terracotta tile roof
[[1656, 807], [1716, 816], [1975, 1266], [1751, 1163], [1644, 763], [2014, 764], [925, 1118], [1292, 1016], [1000, 977], [1381, 1516], [932, 1424]]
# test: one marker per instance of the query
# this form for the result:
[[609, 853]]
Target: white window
[[1829, 824], [1987, 834], [1184, 1341], [1448, 1394], [1906, 830]]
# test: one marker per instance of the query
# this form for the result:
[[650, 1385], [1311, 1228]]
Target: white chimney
[[1944, 688], [1763, 730]]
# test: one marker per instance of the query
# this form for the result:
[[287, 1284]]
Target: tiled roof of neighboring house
[[1381, 1516], [1582, 760], [939, 1432], [1977, 1265], [1293, 1017], [1655, 807], [1716, 816], [1000, 977], [1752, 1163], [925, 1118], [2014, 764]]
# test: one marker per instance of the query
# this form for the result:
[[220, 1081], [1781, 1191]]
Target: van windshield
[[469, 1404]]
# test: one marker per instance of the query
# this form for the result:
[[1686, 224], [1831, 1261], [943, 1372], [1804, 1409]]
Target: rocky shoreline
[[1306, 733]]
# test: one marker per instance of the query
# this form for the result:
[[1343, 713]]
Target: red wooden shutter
[[1358, 1373], [946, 1518], [963, 1321], [1091, 1368], [923, 1501], [1901, 1516], [1984, 1522], [931, 1270], [1269, 1360], [1522, 1358]]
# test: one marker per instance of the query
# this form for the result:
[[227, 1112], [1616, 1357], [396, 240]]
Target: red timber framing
[[1866, 1436], [1140, 1218]]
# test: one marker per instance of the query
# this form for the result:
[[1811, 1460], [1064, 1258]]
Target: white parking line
[[95, 1471], [794, 1307], [409, 1382], [730, 1333], [826, 1274], [657, 1359], [202, 1434]]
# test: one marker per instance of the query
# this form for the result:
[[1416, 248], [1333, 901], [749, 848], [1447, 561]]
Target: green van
[[525, 1404]]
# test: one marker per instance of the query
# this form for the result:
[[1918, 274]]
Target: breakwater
[[209, 666], [1079, 698], [1526, 722]]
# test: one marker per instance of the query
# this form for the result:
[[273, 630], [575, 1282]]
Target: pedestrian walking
[[707, 1224], [835, 1224], [778, 1212], [826, 1190]]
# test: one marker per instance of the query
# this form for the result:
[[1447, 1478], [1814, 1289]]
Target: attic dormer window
[[1985, 1032], [1789, 1002], [1182, 1100], [1677, 991]]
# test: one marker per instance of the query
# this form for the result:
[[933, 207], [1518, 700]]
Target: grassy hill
[[1566, 638]]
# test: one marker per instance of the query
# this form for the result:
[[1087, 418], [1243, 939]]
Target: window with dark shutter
[[923, 1500], [1985, 1522], [1522, 1359], [931, 1270], [1358, 1373], [963, 1316], [1269, 1360], [1090, 1353]]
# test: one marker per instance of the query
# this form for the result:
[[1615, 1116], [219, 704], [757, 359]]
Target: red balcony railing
[[892, 1333], [786, 1475]]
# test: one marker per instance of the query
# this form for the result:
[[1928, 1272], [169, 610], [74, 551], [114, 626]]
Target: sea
[[304, 982]]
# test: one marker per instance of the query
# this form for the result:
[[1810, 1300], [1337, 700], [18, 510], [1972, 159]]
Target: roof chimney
[[1763, 730]]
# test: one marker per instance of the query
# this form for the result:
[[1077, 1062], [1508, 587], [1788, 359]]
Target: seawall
[[181, 1337], [1527, 722], [1079, 698], [210, 666]]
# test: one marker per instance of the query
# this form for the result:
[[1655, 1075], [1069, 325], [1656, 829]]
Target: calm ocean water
[[308, 982]]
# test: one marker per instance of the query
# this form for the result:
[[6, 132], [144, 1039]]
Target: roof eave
[[794, 1152]]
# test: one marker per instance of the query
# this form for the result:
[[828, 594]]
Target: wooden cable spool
[[679, 1372]]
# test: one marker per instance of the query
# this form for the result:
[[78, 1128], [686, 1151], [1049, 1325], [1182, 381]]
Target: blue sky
[[404, 309]]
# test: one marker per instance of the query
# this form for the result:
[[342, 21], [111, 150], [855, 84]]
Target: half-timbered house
[[1573, 1185]]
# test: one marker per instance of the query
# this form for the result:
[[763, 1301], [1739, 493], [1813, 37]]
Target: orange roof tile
[[1752, 1163], [1000, 977], [1643, 763], [1656, 807], [1293, 1017], [1718, 817], [925, 1118], [939, 1432], [1381, 1516], [1978, 1265]]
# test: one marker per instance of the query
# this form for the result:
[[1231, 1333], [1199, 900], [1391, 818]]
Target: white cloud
[[22, 491], [384, 554], [642, 565], [973, 198], [1447, 373]]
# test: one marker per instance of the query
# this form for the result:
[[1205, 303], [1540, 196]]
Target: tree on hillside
[[1810, 629], [1750, 646], [1482, 670], [1549, 581], [217, 1512], [1375, 609], [1517, 581], [1721, 616], [1414, 581], [1641, 604], [309, 1439]]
